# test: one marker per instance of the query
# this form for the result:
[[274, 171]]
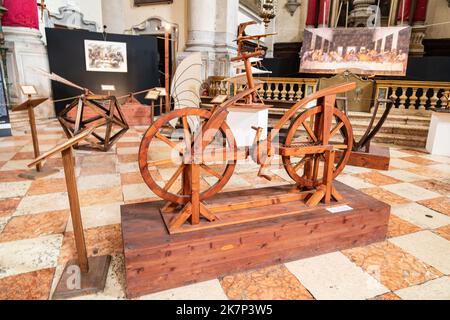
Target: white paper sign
[[340, 209]]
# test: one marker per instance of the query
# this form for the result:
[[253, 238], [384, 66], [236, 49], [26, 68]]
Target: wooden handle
[[64, 146]]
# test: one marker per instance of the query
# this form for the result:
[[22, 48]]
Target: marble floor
[[36, 237]]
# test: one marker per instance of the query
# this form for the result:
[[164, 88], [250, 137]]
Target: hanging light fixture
[[292, 6], [267, 12]]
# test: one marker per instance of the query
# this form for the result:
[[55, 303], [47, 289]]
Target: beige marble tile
[[334, 276], [435, 186], [391, 266], [5, 156], [98, 215], [377, 179], [430, 173], [385, 196], [14, 189], [134, 192], [397, 153], [441, 205], [128, 167], [128, 150], [209, 290], [399, 163], [421, 215], [428, 247], [411, 191], [355, 170], [42, 203], [98, 182], [354, 182], [45, 186], [404, 176], [100, 196], [29, 255], [438, 289], [271, 283]]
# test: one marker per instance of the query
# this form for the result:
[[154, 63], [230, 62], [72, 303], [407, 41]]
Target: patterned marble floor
[[36, 237]]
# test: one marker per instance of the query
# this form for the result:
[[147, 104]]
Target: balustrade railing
[[408, 95]]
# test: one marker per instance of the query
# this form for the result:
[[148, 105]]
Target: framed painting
[[106, 56]]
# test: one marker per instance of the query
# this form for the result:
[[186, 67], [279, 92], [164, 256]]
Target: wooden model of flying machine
[[204, 147]]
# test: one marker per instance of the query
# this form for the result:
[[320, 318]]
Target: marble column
[[360, 14], [26, 51], [311, 18], [418, 33], [212, 28]]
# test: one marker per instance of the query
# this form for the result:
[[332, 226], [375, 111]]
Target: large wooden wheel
[[166, 150], [308, 170]]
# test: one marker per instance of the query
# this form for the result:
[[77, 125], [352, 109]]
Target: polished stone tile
[[43, 203], [334, 276], [355, 170], [100, 241], [391, 266], [397, 153], [354, 182], [430, 173], [377, 179], [441, 205], [44, 186], [14, 189], [399, 227], [29, 255], [399, 163], [33, 226], [27, 286], [128, 167], [8, 206], [100, 196], [137, 192], [271, 283], [405, 176], [385, 196], [435, 186], [128, 150], [29, 156], [420, 215], [411, 191], [209, 290], [98, 215], [128, 158], [131, 178], [428, 247], [419, 160], [444, 232], [6, 156], [98, 182], [438, 289], [387, 296]]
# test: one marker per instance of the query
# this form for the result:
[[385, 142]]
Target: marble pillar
[[361, 14], [26, 51], [212, 28]]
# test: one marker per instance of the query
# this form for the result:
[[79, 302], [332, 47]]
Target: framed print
[[106, 56]]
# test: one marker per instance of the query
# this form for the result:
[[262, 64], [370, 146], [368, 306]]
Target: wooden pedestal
[[378, 158], [156, 260]]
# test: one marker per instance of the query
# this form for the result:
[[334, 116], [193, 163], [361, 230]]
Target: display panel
[[364, 51]]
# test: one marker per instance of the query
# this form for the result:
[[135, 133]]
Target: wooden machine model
[[204, 149]]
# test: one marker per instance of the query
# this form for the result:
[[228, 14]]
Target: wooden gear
[[107, 114], [211, 150]]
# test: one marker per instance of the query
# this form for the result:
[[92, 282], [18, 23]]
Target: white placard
[[28, 90], [108, 87], [340, 209]]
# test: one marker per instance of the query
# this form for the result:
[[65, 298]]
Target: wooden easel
[[94, 270], [29, 105]]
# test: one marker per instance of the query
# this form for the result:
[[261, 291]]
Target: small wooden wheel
[[164, 150], [307, 170]]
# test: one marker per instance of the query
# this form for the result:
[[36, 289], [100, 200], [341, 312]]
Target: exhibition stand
[[438, 143]]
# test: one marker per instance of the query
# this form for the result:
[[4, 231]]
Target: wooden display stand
[[94, 270], [29, 105], [243, 238], [377, 158]]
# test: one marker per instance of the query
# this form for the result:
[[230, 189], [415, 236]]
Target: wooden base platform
[[156, 260], [378, 158]]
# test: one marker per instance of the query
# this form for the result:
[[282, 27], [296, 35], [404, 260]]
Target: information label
[[340, 209]]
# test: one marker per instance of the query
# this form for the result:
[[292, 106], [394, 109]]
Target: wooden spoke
[[310, 131], [211, 171], [336, 129], [169, 142], [162, 162], [174, 178], [187, 134], [340, 146], [301, 163]]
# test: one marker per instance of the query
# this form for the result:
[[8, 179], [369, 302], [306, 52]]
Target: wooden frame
[[107, 114], [318, 122]]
